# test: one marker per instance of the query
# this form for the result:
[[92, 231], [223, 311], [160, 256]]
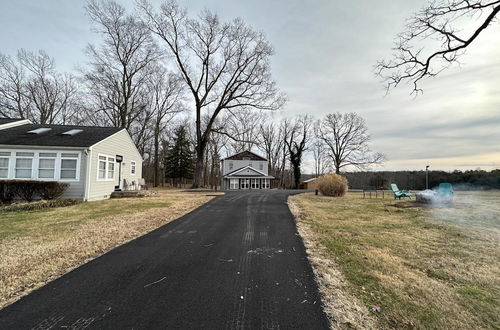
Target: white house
[[85, 157], [245, 170]]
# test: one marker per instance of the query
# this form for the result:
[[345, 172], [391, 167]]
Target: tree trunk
[[156, 179]]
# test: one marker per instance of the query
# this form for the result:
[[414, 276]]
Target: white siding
[[117, 144], [237, 164]]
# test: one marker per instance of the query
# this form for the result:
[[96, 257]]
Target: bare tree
[[224, 66], [436, 22], [241, 127], [13, 99], [346, 137], [296, 143], [320, 152], [32, 88], [272, 142], [118, 68], [166, 95]]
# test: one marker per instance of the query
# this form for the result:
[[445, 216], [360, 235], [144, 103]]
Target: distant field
[[406, 267], [39, 246]]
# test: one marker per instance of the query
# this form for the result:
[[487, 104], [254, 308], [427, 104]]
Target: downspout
[[88, 153]]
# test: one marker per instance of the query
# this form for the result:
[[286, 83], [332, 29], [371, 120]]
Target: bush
[[332, 185], [27, 190], [52, 190], [40, 205], [6, 194]]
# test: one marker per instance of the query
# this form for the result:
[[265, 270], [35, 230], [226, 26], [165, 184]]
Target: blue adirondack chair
[[399, 193]]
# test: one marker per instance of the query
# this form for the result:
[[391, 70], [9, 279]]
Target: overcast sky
[[325, 53]]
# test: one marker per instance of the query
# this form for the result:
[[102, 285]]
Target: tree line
[[189, 89]]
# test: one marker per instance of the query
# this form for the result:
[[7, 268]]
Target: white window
[[233, 184], [265, 184], [254, 183], [4, 165], [46, 165], [111, 168], [230, 166], [261, 166], [132, 167], [24, 165], [105, 168], [102, 168], [250, 164]]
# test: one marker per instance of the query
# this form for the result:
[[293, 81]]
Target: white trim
[[106, 169], [244, 168], [88, 155], [15, 124], [134, 166], [130, 138], [36, 160]]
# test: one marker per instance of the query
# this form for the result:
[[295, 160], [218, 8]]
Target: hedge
[[39, 205], [27, 190]]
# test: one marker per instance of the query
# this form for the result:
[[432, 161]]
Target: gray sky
[[325, 53]]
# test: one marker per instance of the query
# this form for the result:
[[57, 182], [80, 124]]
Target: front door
[[245, 183]]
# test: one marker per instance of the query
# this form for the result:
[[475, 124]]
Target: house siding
[[76, 189], [121, 144], [237, 164]]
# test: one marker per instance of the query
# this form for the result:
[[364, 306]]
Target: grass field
[[384, 266], [38, 246]]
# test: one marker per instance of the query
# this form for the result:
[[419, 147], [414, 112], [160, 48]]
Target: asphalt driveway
[[234, 263]]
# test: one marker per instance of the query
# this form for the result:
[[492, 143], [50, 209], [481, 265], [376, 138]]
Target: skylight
[[73, 131], [40, 130]]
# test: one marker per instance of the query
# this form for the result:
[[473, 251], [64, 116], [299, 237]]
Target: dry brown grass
[[408, 267], [39, 246]]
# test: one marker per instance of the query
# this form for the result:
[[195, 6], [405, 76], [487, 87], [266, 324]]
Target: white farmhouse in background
[[245, 170], [85, 157]]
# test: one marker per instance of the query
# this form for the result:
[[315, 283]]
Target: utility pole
[[427, 177]]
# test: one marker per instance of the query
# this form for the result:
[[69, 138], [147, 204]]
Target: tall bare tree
[[166, 101], [272, 142], [119, 66], [437, 21], [241, 127], [32, 88], [224, 66], [346, 137], [296, 143], [13, 96]]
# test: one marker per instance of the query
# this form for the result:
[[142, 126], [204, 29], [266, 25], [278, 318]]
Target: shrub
[[40, 205], [6, 194], [332, 185], [52, 189], [27, 190]]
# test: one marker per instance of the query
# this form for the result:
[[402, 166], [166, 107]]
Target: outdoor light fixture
[[427, 177]]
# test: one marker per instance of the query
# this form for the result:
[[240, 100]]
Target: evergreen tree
[[179, 160]]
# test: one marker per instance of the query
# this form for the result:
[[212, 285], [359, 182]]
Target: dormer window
[[246, 158], [40, 130]]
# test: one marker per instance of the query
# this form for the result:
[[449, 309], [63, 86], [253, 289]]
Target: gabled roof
[[235, 172], [89, 135], [245, 154], [9, 120]]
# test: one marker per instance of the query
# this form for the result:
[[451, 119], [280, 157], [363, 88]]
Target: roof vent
[[40, 130], [73, 131]]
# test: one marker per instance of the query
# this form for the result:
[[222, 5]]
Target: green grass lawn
[[414, 267]]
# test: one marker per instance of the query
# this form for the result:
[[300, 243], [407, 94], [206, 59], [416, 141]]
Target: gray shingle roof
[[89, 136], [8, 120]]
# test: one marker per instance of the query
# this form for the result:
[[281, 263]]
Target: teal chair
[[445, 188], [399, 193]]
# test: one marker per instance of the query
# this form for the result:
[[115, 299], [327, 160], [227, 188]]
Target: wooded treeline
[[470, 179]]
